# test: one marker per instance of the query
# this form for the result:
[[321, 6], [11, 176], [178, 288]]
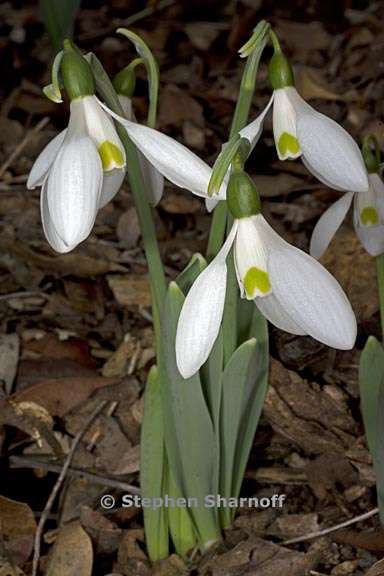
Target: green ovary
[[369, 216], [111, 156], [256, 279], [288, 145]]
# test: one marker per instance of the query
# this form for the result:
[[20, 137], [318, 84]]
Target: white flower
[[291, 289], [368, 219], [326, 149], [79, 171]]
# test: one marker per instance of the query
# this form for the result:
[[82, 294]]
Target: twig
[[20, 147], [28, 462], [149, 11], [320, 533], [59, 483]]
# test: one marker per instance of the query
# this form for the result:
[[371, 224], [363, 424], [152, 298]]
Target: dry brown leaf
[[377, 569], [117, 364], [355, 269], [6, 569], [203, 34], [310, 86], [72, 553], [130, 290], [17, 529], [59, 396], [278, 184], [176, 105], [294, 525], [174, 203], [9, 357], [104, 533]]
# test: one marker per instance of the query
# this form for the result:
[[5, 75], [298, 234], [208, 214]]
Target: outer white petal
[[126, 104], [49, 230], [99, 125], [200, 317], [311, 297], [330, 152], [284, 119], [73, 189], [271, 308], [44, 161], [328, 224], [153, 180], [252, 131], [178, 164], [377, 185], [112, 182]]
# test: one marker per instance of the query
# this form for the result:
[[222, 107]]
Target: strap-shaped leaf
[[153, 470], [187, 277], [189, 434], [237, 379], [180, 523]]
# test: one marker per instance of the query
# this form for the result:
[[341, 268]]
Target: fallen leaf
[[176, 105], [377, 569], [9, 357], [71, 553], [104, 533], [130, 290], [17, 528], [117, 364]]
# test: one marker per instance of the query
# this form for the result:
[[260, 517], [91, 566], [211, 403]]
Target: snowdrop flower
[[290, 288], [368, 214], [83, 167], [326, 149]]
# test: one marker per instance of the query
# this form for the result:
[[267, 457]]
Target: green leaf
[[180, 522], [222, 163], [371, 380], [189, 434], [187, 277], [253, 399], [237, 378], [153, 470], [58, 17]]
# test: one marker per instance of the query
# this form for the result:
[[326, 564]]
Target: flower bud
[[125, 82], [243, 199], [371, 154], [280, 72], [76, 73]]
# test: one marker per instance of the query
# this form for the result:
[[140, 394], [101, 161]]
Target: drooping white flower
[[326, 149], [368, 219], [79, 171], [290, 288]]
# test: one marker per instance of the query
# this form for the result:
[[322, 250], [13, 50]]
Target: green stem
[[222, 219], [380, 285]]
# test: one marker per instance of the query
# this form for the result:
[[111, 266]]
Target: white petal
[[284, 122], [49, 230], [178, 164], [112, 182], [73, 189], [44, 161], [252, 131], [377, 185], [330, 152], [328, 224], [126, 104], [211, 203], [311, 297], [250, 255], [153, 180], [320, 177], [200, 317], [271, 308], [100, 127]]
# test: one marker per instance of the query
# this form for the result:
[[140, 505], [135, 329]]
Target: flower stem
[[380, 285]]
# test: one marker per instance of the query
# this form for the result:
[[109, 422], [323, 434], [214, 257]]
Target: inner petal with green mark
[[111, 156], [369, 216], [288, 145], [256, 280]]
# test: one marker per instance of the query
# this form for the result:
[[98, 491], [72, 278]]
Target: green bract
[[280, 72], [243, 199], [76, 74], [125, 81]]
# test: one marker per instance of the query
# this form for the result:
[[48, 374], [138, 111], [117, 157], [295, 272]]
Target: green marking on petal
[[369, 216], [256, 279], [288, 145], [111, 156]]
